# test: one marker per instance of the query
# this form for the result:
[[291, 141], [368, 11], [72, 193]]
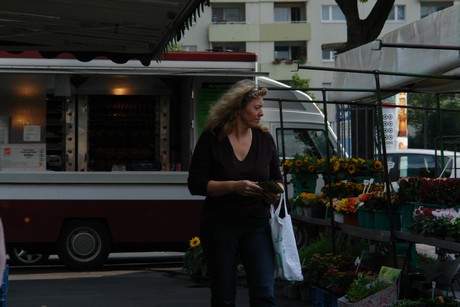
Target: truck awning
[[441, 29], [120, 30]]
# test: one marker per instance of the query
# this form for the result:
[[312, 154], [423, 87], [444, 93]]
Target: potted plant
[[331, 272], [423, 302], [194, 262], [363, 290], [346, 207], [379, 204], [436, 222], [310, 204]]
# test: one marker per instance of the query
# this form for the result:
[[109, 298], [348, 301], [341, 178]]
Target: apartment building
[[285, 32]]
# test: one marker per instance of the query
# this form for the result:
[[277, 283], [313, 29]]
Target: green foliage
[[194, 261], [322, 245], [364, 286], [425, 302], [441, 191], [298, 82], [174, 47], [425, 123]]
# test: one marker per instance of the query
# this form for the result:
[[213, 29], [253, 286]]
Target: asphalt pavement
[[126, 285]]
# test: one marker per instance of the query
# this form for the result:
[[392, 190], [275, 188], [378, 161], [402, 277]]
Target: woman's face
[[253, 112]]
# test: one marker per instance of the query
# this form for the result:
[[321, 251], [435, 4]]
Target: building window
[[228, 47], [428, 8], [328, 56], [227, 14], [289, 12], [190, 48], [295, 51], [398, 13], [331, 13]]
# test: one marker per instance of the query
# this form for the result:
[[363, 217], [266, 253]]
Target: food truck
[[94, 155]]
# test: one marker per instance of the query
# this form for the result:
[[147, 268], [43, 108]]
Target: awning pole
[[385, 165]]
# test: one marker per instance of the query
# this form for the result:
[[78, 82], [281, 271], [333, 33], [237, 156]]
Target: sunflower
[[194, 242], [378, 165], [351, 169], [298, 163], [336, 166]]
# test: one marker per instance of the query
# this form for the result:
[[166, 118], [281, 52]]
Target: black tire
[[20, 256], [84, 244], [300, 233]]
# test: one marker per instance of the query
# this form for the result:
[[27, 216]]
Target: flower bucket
[[351, 219], [382, 220], [366, 218], [304, 183], [407, 211], [306, 211], [323, 298], [318, 211], [339, 217]]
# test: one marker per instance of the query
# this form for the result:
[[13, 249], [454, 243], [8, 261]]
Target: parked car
[[422, 163]]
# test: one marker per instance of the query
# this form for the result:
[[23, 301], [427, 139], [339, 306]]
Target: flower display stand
[[322, 298]]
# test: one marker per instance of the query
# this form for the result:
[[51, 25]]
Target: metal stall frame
[[381, 147]]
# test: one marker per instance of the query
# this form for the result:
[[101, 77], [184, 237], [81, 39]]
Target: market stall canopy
[[117, 29], [441, 29]]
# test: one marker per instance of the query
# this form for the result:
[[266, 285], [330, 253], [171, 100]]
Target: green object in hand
[[271, 186]]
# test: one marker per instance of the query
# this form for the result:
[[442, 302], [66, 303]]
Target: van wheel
[[20, 256], [300, 233], [84, 244]]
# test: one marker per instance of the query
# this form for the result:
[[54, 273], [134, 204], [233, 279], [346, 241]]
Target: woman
[[235, 153]]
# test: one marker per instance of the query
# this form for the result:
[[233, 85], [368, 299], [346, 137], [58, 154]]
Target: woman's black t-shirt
[[215, 160]]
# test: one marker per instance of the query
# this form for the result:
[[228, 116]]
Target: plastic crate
[[322, 298]]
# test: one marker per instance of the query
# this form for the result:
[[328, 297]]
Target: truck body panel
[[118, 142]]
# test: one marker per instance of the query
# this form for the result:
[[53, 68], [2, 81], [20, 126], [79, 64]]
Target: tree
[[362, 31], [425, 124], [298, 82]]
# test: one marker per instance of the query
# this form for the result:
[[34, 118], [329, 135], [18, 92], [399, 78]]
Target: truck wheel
[[300, 233], [84, 244], [20, 256]]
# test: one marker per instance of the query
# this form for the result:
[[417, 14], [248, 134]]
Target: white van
[[422, 163]]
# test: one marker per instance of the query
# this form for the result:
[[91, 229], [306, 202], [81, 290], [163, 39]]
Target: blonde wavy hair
[[223, 114]]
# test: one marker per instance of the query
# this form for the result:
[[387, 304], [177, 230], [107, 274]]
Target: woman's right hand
[[248, 188], [241, 187]]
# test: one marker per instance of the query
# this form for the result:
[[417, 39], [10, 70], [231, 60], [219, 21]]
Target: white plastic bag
[[287, 256]]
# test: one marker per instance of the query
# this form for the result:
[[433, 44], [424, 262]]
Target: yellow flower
[[351, 169], [336, 166], [194, 242], [308, 195], [378, 165], [298, 163]]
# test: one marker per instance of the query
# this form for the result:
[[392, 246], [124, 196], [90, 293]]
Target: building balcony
[[238, 32]]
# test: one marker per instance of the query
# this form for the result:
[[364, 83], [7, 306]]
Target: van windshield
[[418, 165], [302, 141]]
